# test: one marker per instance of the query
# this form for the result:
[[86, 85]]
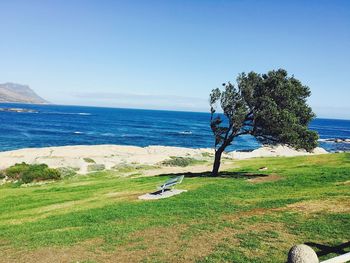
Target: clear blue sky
[[170, 54]]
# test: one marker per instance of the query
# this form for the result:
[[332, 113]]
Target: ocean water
[[55, 125]]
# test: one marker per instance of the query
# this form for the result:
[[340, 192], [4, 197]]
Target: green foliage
[[16, 171], [2, 174], [28, 173], [180, 161], [67, 171], [272, 107]]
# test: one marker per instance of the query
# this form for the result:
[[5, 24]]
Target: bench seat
[[171, 183]]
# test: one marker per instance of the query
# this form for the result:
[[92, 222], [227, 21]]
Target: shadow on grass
[[224, 174], [324, 250]]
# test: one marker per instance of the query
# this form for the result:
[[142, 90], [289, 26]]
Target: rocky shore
[[336, 140], [18, 110]]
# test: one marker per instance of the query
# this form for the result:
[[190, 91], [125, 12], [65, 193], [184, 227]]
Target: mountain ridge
[[18, 93]]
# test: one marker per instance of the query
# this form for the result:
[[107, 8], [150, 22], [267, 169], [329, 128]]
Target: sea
[[57, 125]]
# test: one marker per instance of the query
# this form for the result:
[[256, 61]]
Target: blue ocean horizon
[[59, 125]]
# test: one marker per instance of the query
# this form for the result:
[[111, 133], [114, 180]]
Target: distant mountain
[[12, 92]]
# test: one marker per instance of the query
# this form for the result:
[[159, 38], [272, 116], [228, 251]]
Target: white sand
[[112, 155]]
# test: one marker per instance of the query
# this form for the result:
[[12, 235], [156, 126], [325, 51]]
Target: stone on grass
[[302, 254]]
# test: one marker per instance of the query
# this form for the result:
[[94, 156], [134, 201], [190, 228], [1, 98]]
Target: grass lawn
[[246, 215]]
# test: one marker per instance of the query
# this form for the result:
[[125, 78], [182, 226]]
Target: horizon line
[[149, 109]]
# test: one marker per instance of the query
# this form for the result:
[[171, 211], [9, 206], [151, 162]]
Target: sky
[[171, 54]]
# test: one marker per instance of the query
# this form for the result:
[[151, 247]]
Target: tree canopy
[[271, 107]]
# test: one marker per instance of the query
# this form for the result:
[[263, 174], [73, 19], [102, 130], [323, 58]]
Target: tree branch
[[267, 138]]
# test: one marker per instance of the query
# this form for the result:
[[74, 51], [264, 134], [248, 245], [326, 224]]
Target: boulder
[[302, 254], [319, 150]]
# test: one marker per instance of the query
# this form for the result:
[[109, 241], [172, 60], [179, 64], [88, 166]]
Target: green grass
[[98, 218]]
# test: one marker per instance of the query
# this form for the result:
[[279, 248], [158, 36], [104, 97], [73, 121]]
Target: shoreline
[[82, 157]]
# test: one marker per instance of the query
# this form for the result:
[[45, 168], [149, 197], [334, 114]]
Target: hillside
[[246, 215], [11, 92]]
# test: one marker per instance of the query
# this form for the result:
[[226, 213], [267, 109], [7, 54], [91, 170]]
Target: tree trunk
[[217, 162]]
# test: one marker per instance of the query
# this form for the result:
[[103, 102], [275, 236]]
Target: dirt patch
[[344, 183], [267, 178], [329, 206], [172, 244], [45, 255], [146, 244], [204, 244], [82, 252], [273, 238], [272, 235], [305, 207]]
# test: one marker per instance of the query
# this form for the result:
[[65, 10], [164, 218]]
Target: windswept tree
[[271, 107]]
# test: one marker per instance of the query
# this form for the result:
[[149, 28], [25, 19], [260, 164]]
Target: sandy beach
[[80, 157]]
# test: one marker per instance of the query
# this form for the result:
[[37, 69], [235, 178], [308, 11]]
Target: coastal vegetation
[[181, 161], [246, 214], [27, 173], [271, 107], [96, 167], [89, 160]]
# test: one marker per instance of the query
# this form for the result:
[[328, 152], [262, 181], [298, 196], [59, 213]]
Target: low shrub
[[89, 160], [67, 171], [127, 168], [16, 171], [2, 174], [28, 173], [206, 154], [96, 167], [181, 161], [124, 168]]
